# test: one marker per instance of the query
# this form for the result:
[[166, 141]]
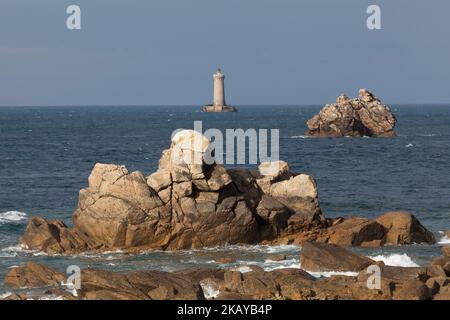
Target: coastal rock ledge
[[188, 203], [396, 283], [363, 116]]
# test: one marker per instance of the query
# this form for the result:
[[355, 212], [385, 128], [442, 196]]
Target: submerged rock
[[33, 275], [363, 116], [322, 257]]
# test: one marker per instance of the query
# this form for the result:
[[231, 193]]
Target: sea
[[47, 154]]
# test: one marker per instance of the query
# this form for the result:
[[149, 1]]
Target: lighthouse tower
[[219, 91], [219, 104]]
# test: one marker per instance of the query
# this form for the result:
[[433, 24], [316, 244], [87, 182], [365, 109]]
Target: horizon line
[[200, 106]]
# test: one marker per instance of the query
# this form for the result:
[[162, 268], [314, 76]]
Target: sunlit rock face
[[363, 116]]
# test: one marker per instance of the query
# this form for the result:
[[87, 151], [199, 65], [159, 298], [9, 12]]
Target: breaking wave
[[396, 260], [14, 251], [4, 295], [12, 217], [444, 240]]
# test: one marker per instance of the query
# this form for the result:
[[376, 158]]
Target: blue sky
[[163, 52]]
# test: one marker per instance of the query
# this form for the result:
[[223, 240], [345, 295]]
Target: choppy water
[[47, 153]]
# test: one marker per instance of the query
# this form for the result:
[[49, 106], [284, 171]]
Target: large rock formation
[[363, 116], [190, 201]]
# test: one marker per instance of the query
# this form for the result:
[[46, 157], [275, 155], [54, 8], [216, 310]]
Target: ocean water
[[47, 153]]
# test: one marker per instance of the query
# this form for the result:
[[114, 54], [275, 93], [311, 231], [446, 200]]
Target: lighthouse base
[[213, 108]]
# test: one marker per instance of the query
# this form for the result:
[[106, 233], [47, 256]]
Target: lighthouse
[[219, 104]]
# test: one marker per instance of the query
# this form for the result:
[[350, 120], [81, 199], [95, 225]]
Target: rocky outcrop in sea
[[191, 202], [363, 116]]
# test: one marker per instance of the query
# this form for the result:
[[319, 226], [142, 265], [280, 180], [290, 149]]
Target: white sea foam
[[12, 217], [396, 260], [300, 137], [70, 288], [209, 288], [51, 297], [270, 265], [332, 273], [444, 240], [428, 135], [5, 295], [270, 249], [14, 251], [282, 248], [242, 269]]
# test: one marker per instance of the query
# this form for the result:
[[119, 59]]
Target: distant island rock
[[363, 116]]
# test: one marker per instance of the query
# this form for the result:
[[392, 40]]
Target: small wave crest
[[14, 251], [396, 260], [5, 295], [428, 135], [300, 137], [444, 240], [333, 273], [12, 217]]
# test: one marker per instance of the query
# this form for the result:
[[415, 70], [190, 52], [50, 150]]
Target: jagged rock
[[446, 251], [188, 202], [299, 193], [443, 262], [413, 290], [354, 232], [159, 180], [166, 286], [403, 228], [279, 257], [364, 116], [15, 297], [33, 275], [54, 237], [436, 283], [321, 257], [99, 284], [275, 170]]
